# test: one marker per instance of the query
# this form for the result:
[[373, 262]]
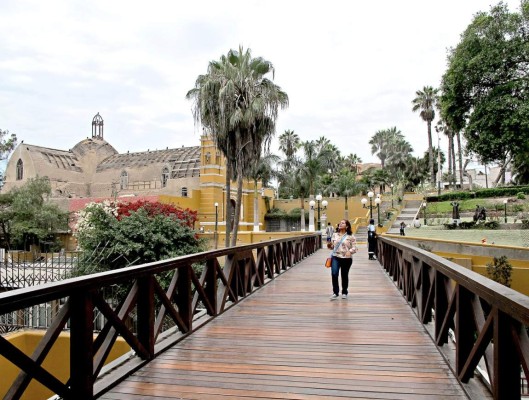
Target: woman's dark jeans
[[343, 265]]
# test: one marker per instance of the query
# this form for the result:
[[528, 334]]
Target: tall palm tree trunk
[[302, 206], [237, 213], [449, 163], [255, 208], [346, 209], [228, 205], [460, 158], [430, 152], [454, 167]]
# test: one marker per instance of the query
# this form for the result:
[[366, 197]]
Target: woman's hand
[[348, 254]]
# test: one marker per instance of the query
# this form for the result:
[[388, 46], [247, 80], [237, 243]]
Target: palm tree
[[352, 161], [238, 106], [425, 102], [379, 143], [383, 141], [289, 144], [345, 184], [262, 171], [442, 127]]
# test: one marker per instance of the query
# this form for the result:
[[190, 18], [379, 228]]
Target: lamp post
[[318, 199], [324, 204], [391, 195], [424, 212], [505, 209], [216, 224], [377, 202], [364, 203]]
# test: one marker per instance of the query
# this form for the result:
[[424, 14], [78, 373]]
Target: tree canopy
[[119, 234], [27, 218], [485, 88]]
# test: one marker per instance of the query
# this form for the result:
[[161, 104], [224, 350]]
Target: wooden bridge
[[288, 340]]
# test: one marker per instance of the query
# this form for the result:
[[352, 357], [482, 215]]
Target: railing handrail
[[488, 320], [506, 299], [25, 297], [154, 300]]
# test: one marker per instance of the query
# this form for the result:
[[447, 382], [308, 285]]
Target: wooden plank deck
[[289, 341]]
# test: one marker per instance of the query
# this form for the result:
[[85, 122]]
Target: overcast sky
[[350, 68]]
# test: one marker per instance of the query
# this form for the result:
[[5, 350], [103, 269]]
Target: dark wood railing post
[[145, 307], [464, 327], [506, 380], [183, 298], [81, 345]]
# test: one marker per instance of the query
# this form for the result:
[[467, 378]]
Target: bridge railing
[[152, 306], [489, 321]]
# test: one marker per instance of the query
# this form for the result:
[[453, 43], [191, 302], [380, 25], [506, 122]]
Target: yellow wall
[[57, 361], [335, 209], [520, 268]]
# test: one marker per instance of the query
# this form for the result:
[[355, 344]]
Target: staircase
[[361, 234], [407, 215]]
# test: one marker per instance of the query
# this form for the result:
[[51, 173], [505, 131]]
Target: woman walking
[[344, 246]]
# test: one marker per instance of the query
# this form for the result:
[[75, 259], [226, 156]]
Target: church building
[[93, 170]]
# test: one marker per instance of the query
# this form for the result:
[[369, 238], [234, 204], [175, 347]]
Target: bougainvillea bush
[[119, 234]]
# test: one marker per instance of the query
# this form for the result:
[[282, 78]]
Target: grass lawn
[[508, 237]]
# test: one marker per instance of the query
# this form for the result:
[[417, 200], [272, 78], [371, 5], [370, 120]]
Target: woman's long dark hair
[[348, 229]]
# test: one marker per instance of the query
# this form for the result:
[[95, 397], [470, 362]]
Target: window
[[184, 192], [124, 181], [165, 176], [20, 170]]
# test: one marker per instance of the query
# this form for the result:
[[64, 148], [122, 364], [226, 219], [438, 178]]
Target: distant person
[[402, 227], [476, 213], [372, 240], [344, 246], [329, 232], [416, 223]]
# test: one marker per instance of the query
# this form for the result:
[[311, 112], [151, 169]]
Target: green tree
[[289, 143], [26, 217], [111, 240], [425, 102], [485, 86], [7, 144], [345, 184], [500, 270], [238, 105], [263, 170]]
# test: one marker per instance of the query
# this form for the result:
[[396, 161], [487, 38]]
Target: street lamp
[[424, 212], [216, 224], [377, 202], [505, 209], [364, 203], [312, 204], [391, 195], [318, 199]]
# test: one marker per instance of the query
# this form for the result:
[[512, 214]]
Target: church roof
[[61, 159], [182, 162]]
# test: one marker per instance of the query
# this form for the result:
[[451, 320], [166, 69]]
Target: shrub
[[520, 195], [491, 225], [450, 226], [467, 224], [500, 270]]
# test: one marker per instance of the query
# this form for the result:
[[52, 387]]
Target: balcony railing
[[158, 304], [488, 320]]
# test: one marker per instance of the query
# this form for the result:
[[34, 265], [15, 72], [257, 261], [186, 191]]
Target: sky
[[349, 68]]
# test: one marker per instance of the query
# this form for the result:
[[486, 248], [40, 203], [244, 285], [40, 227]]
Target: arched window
[[184, 192], [20, 170], [124, 181], [165, 176]]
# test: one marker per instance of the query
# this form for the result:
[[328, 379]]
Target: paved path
[[289, 341]]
